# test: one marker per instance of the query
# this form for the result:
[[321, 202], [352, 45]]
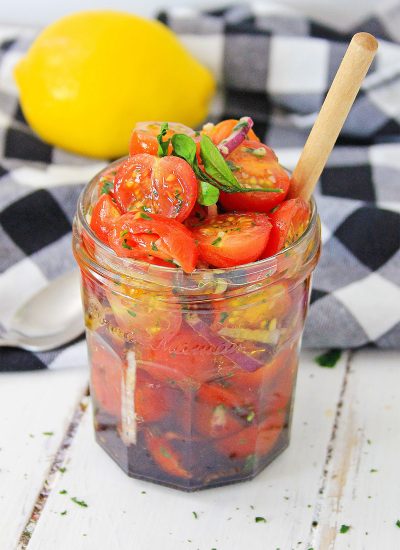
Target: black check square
[[23, 145], [350, 182], [34, 221]]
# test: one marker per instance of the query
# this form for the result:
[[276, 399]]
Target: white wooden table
[[342, 468]]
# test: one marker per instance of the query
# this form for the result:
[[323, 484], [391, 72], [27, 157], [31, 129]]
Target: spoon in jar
[[50, 318]]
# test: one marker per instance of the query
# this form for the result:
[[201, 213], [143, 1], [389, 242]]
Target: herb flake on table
[[344, 528], [329, 359], [195, 515], [260, 519], [62, 470], [48, 433], [398, 523], [63, 492], [63, 513], [79, 502], [373, 470]]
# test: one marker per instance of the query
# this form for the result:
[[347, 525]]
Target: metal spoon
[[50, 318]]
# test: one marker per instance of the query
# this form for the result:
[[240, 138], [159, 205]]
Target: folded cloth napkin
[[274, 65]]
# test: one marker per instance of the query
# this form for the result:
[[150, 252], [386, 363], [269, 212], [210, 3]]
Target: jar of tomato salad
[[193, 374]]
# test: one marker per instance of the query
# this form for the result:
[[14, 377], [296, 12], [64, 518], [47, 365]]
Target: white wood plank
[[31, 403], [367, 439], [120, 517]]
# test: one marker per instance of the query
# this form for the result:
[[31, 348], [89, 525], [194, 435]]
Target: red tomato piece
[[144, 136], [104, 215], [166, 456], [224, 129], [256, 166], [165, 186], [257, 439], [232, 239], [289, 221], [151, 398], [106, 374], [138, 235]]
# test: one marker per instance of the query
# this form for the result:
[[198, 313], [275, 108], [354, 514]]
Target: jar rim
[[171, 270]]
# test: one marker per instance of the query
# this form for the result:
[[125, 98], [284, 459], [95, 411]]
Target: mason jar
[[192, 375]]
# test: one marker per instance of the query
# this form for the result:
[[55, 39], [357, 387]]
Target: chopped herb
[[329, 359], [314, 523], [63, 513], [369, 441], [250, 416], [260, 519], [63, 492], [217, 241], [344, 528], [154, 246], [131, 313], [223, 316], [107, 186], [165, 453], [48, 433], [260, 152], [163, 145], [62, 470], [125, 245], [373, 470], [398, 523], [79, 502], [234, 167], [195, 515], [249, 463], [123, 233], [144, 493], [145, 216]]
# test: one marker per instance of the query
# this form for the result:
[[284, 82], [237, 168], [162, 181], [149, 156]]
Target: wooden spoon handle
[[333, 113]]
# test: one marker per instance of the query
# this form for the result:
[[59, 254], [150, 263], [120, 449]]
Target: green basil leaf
[[208, 194], [184, 147], [214, 163], [163, 145]]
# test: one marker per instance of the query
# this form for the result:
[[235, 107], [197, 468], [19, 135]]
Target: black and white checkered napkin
[[274, 65]]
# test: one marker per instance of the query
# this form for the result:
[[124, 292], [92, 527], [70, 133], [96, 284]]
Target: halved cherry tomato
[[144, 136], [151, 398], [289, 221], [165, 186], [185, 361], [232, 239], [144, 317], [256, 166], [165, 456], [224, 129], [106, 374], [138, 235], [257, 439], [105, 213]]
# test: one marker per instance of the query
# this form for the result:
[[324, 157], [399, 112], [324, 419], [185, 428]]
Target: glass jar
[[192, 376]]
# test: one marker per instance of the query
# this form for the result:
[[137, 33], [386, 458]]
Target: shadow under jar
[[192, 376]]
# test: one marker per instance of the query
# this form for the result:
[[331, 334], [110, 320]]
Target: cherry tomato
[[138, 235], [289, 221], [256, 166], [143, 316], [232, 239], [186, 361], [224, 129], [106, 374], [144, 136], [151, 398], [105, 213], [257, 439], [165, 186], [165, 456], [280, 391]]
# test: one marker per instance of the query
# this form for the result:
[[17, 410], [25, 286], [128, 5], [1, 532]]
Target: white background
[[41, 12]]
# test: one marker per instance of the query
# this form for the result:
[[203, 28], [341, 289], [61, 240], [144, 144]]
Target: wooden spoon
[[333, 113]]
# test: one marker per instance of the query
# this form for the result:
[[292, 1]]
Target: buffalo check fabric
[[276, 66]]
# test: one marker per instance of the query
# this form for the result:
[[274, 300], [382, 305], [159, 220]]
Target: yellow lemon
[[89, 77]]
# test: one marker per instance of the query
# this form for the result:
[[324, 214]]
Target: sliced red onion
[[240, 358], [239, 134]]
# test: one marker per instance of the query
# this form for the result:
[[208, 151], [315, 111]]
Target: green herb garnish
[[48, 433], [329, 359], [224, 315], [217, 241], [154, 246], [398, 523], [344, 528], [145, 216], [250, 416], [234, 167], [131, 313], [208, 194], [123, 233], [373, 470], [63, 492], [259, 153], [195, 515], [62, 470], [126, 245], [106, 188], [79, 502], [260, 519], [163, 145], [63, 513]]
